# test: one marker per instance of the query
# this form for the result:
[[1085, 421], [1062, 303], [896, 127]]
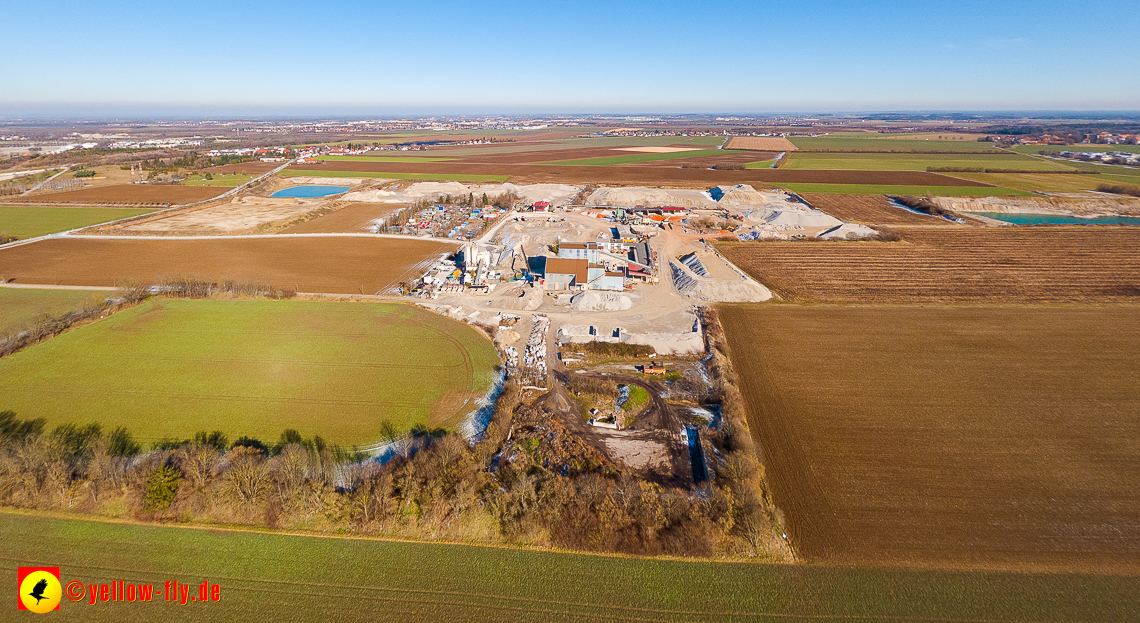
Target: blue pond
[[308, 192], [1053, 219]]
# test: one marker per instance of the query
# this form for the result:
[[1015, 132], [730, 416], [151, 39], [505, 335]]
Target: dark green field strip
[[871, 143], [32, 221], [263, 576]]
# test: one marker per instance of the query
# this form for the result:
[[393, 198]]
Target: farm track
[[952, 264], [672, 175]]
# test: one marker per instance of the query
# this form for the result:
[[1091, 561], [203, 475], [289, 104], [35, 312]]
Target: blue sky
[[344, 56]]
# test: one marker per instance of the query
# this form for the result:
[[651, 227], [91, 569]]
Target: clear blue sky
[[584, 56]]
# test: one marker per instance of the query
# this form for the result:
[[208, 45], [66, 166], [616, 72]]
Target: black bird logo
[[38, 591]]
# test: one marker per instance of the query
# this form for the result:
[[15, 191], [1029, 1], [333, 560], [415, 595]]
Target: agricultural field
[[228, 180], [1041, 182], [760, 143], [31, 221], [916, 162], [669, 174], [128, 194], [649, 157], [953, 264], [265, 576], [409, 158], [873, 142], [447, 177], [352, 218], [170, 367], [948, 190], [244, 168], [869, 210], [19, 306], [1035, 149], [330, 265], [948, 436]]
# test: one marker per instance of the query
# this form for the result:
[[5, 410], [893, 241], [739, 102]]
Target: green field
[[31, 221], [760, 164], [220, 179], [915, 162], [383, 159], [1034, 149], [266, 577], [169, 368], [872, 142], [18, 306], [452, 177], [885, 189], [1037, 181], [638, 157]]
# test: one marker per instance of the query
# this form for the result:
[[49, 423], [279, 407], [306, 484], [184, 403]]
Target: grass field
[[32, 221], [953, 264], [267, 577], [453, 177], [631, 158], [18, 306], [872, 142], [999, 437], [1034, 149], [887, 189], [384, 158], [168, 368], [760, 164], [1042, 182], [915, 162], [230, 181]]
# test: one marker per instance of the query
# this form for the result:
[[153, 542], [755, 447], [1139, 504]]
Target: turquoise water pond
[[308, 192], [1053, 219]]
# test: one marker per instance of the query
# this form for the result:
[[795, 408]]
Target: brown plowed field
[[760, 143], [659, 175], [980, 437], [129, 194], [246, 168], [351, 219], [869, 209], [708, 161], [330, 265], [953, 264], [529, 157]]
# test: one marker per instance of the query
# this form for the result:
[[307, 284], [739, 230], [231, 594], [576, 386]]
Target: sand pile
[[601, 301], [795, 216], [745, 195], [554, 193], [1073, 205], [847, 231], [731, 291], [652, 197]]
